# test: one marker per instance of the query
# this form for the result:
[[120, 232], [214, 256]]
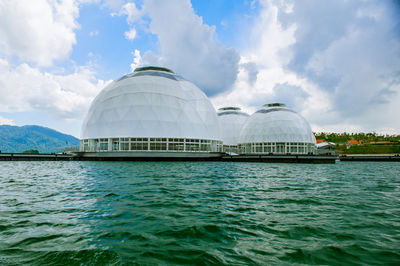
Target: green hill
[[43, 139]]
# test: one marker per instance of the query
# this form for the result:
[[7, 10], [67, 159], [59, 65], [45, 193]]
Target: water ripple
[[118, 213]]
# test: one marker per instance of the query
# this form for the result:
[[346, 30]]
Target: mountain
[[43, 139]]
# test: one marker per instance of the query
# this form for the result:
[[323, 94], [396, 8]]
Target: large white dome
[[276, 123], [231, 121], [151, 102], [276, 129]]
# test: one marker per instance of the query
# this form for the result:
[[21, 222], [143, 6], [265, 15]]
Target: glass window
[[293, 147], [103, 146], [115, 145], [153, 146], [280, 147], [259, 147], [125, 146]]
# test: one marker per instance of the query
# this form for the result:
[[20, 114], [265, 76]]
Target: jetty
[[370, 158], [35, 157], [220, 157], [284, 158]]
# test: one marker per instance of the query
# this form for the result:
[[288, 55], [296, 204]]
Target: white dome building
[[231, 121], [152, 111], [278, 130]]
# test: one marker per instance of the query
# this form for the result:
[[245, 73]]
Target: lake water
[[79, 213]]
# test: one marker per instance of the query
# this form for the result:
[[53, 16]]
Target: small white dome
[[276, 123], [231, 121], [151, 102]]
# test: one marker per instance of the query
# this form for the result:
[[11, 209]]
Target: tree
[[31, 151]]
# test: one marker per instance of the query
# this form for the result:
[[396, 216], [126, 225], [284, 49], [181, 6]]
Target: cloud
[[337, 61], [38, 31], [94, 33], [252, 71], [23, 88], [131, 34], [357, 61], [274, 85], [262, 78], [133, 15], [137, 60], [293, 96], [114, 4], [188, 46], [132, 12], [6, 121], [365, 62], [271, 41], [317, 23]]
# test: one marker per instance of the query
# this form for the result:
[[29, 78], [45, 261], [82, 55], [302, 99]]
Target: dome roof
[[151, 102], [276, 123], [231, 121]]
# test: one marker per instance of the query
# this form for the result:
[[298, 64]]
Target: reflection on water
[[198, 212]]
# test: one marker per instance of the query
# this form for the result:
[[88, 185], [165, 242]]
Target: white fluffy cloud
[[133, 16], [6, 121], [357, 62], [39, 31], [188, 46], [267, 80], [132, 12], [336, 62], [131, 34], [137, 60], [24, 88]]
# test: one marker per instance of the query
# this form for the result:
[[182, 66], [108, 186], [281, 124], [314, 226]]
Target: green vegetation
[[42, 139], [370, 143], [364, 137], [31, 151]]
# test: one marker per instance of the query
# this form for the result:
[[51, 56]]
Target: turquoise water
[[85, 213]]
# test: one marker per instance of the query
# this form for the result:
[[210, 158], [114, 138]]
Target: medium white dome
[[151, 102], [276, 123], [231, 121]]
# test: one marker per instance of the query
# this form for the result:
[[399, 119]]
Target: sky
[[336, 62]]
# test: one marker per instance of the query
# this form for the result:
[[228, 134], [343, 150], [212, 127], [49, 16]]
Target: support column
[[109, 144]]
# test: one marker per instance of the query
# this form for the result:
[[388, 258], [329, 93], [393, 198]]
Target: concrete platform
[[281, 158], [168, 156], [35, 157], [370, 157]]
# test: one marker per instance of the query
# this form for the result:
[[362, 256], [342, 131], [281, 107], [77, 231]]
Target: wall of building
[[150, 144]]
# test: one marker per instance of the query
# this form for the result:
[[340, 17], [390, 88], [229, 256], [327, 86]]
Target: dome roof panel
[[231, 121], [276, 123], [144, 104]]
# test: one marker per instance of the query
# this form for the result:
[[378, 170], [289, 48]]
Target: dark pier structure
[[35, 157], [370, 158], [220, 157]]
